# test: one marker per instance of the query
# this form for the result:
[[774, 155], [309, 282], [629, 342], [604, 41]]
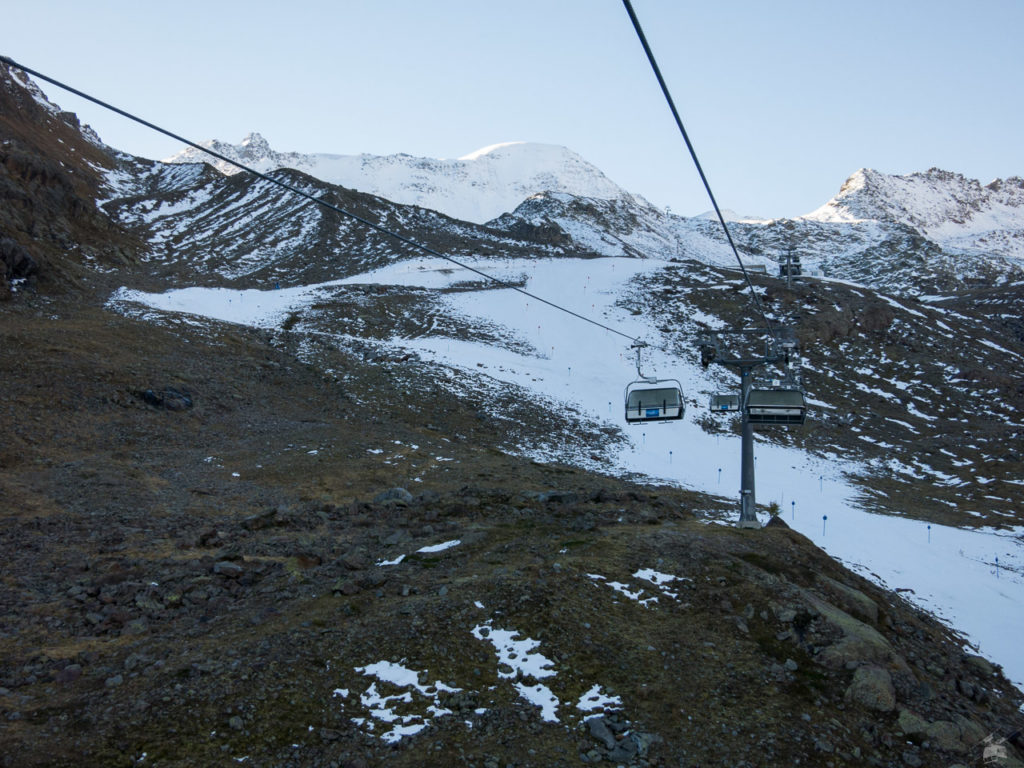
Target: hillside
[[237, 579], [50, 172], [476, 187], [276, 492], [933, 233]]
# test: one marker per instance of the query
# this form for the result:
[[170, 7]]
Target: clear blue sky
[[783, 100]]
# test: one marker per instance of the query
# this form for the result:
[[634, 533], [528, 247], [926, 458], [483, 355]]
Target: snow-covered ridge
[[476, 187], [958, 213]]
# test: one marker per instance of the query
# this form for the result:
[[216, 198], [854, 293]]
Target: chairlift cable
[[377, 227], [693, 154]]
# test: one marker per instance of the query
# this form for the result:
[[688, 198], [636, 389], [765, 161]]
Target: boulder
[[911, 724], [852, 600], [945, 735], [872, 689], [979, 664], [227, 568], [356, 560], [860, 643], [395, 496], [17, 262], [169, 399]]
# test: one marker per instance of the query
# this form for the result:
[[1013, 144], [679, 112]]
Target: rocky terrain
[[228, 545]]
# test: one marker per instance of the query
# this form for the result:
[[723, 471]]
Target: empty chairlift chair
[[654, 400], [776, 405], [723, 401]]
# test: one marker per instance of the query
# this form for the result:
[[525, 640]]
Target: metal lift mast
[[778, 349]]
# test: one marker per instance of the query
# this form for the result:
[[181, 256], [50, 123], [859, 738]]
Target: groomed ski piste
[[973, 579]]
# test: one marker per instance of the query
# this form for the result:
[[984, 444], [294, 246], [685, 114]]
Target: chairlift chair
[[781, 404], [725, 401], [652, 399]]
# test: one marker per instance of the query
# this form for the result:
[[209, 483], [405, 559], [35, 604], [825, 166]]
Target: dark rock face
[[169, 399], [17, 262]]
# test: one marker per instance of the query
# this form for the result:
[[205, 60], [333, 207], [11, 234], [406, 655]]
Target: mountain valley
[[280, 490]]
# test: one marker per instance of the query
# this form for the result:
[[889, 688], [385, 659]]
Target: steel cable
[[693, 154]]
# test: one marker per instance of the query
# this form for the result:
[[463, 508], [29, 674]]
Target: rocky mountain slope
[[957, 213], [236, 579], [302, 544], [50, 172], [928, 233], [888, 384], [476, 187]]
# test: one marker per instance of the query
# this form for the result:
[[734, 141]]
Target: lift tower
[[781, 402]]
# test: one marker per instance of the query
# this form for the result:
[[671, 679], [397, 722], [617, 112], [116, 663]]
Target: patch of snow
[[541, 696], [595, 699], [440, 547], [515, 654]]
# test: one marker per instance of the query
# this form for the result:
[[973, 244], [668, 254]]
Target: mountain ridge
[[950, 231], [947, 207], [476, 187]]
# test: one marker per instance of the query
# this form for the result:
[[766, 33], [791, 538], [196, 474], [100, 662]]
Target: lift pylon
[[781, 402]]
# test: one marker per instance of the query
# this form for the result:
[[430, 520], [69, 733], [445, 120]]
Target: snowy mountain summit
[[958, 213], [924, 233], [476, 187]]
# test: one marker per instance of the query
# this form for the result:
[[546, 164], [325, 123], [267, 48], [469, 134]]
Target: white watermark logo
[[994, 752]]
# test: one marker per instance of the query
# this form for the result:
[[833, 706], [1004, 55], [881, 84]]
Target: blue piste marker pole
[[670, 457], [719, 475], [820, 477], [824, 519], [643, 435], [792, 510], [997, 566], [929, 533]]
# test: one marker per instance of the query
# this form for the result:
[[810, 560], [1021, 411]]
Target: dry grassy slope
[[49, 177], [150, 597]]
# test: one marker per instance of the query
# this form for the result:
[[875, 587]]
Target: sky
[[783, 101]]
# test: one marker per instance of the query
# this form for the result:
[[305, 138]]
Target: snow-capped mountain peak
[[476, 187], [256, 144], [956, 212], [489, 150]]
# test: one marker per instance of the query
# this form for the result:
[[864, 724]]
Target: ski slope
[[948, 571]]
